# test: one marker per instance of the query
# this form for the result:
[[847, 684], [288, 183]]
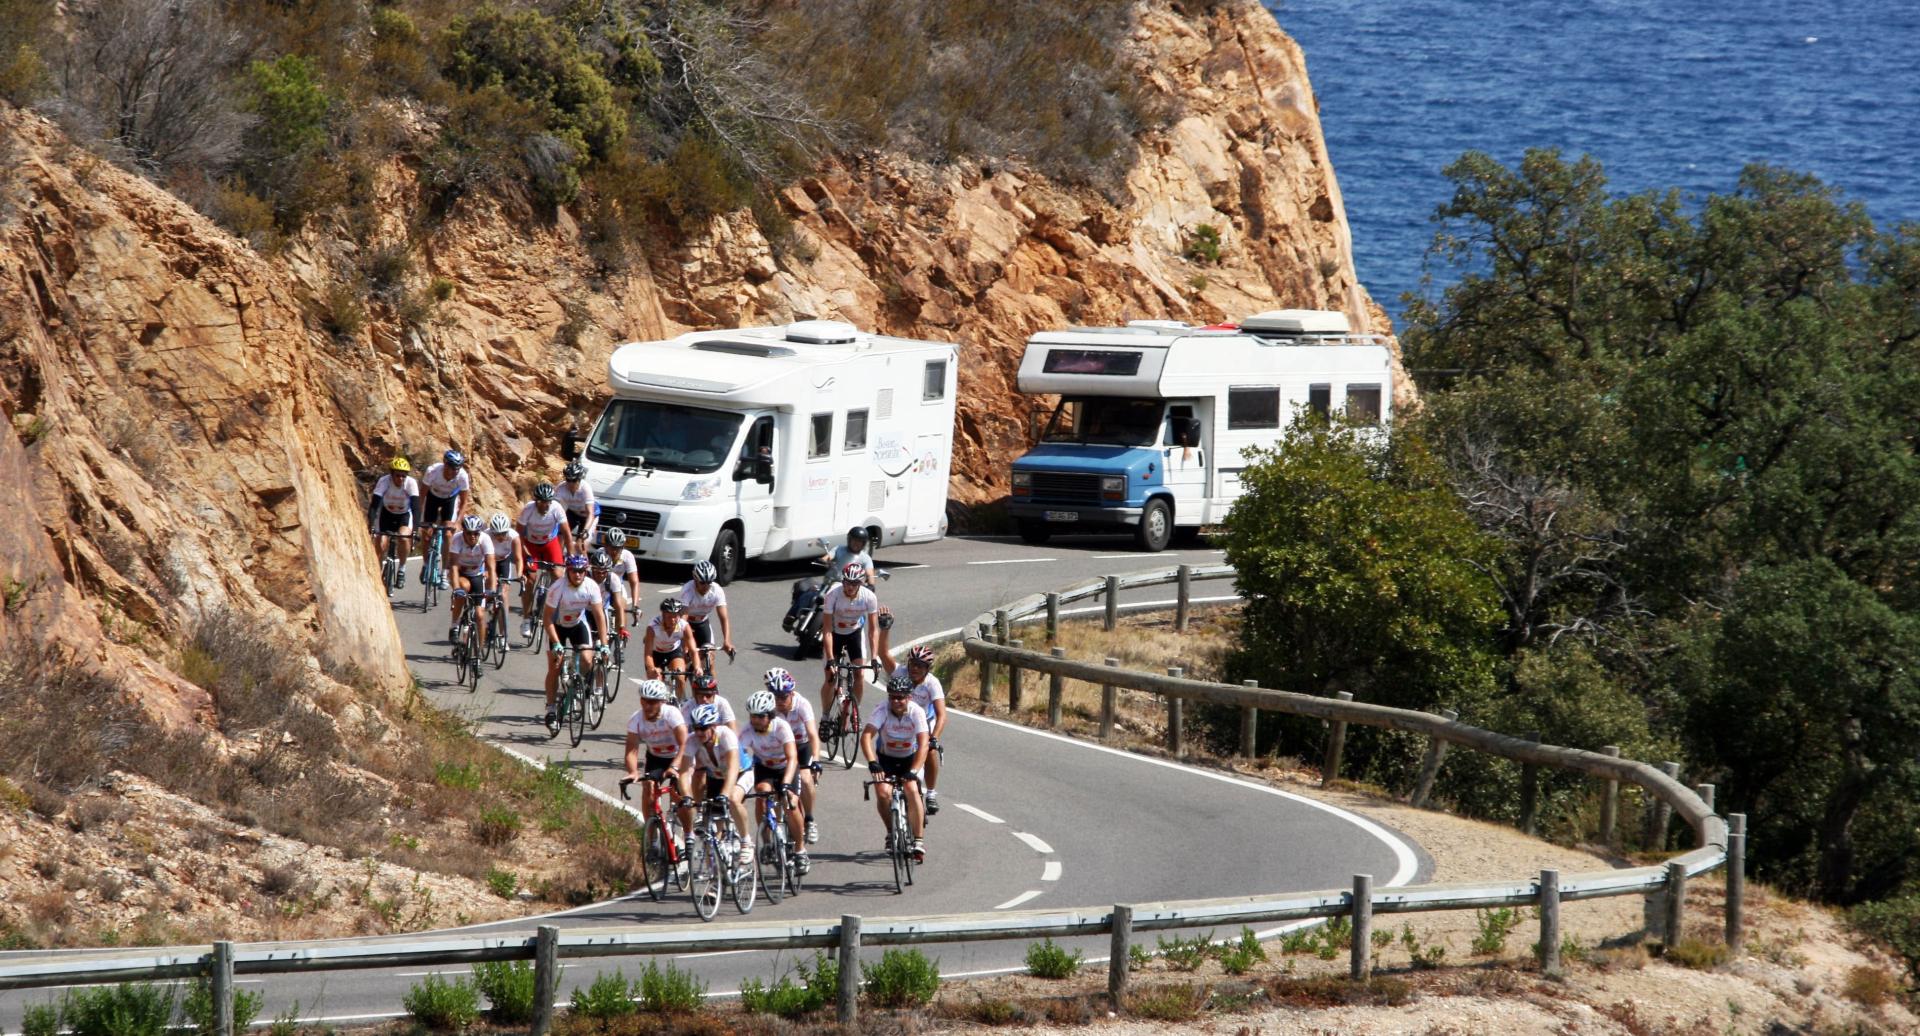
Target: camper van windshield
[[1105, 419], [667, 436]]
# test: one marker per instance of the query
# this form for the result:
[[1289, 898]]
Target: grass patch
[[1175, 1003], [818, 984]]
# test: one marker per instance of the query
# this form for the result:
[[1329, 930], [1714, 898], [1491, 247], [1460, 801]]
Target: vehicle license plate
[[1063, 516]]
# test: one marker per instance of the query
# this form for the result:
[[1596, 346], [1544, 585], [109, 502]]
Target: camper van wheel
[[1156, 527], [726, 556], [1034, 531]]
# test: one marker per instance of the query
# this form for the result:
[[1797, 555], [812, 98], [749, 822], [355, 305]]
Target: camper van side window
[[856, 431], [1363, 404], [1253, 408], [1320, 400], [820, 437], [935, 387]]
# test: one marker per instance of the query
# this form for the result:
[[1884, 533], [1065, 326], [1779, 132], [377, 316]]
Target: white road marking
[[1019, 899], [715, 953], [1051, 872], [1034, 843], [981, 813], [1012, 561]]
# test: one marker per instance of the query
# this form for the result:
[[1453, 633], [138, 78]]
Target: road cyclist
[[792, 706], [706, 600], [470, 560], [894, 743], [576, 495], [447, 486], [507, 565], [575, 617], [930, 697], [849, 631], [543, 539], [626, 566], [712, 772], [662, 729], [613, 590], [768, 740], [706, 691], [668, 644], [392, 513]]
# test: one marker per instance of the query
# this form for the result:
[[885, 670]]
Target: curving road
[[1028, 819]]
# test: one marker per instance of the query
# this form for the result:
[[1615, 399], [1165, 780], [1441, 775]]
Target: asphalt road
[[1029, 819]]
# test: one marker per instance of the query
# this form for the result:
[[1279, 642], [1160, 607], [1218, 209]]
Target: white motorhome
[[764, 442], [1153, 418]]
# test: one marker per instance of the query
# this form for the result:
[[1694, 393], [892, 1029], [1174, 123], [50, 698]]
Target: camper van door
[[754, 483], [1184, 449]]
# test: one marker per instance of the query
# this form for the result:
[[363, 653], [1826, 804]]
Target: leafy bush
[[495, 826], [508, 987], [1048, 959], [538, 60], [1698, 954], [291, 104], [607, 996], [670, 989], [1239, 957], [40, 1020], [1203, 245], [1895, 924], [1186, 954], [817, 987], [198, 1007], [127, 1009], [1494, 927], [502, 883], [901, 978], [440, 1004]]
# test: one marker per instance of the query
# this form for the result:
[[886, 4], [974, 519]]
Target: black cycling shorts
[[439, 508], [391, 523], [896, 765], [581, 634], [664, 659], [803, 755], [702, 632], [658, 768], [764, 774], [853, 645]]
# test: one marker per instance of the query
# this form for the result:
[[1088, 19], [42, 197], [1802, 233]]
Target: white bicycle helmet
[[704, 716], [499, 523], [704, 572], [760, 703], [655, 690]]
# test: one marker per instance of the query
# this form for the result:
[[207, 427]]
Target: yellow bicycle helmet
[[399, 464]]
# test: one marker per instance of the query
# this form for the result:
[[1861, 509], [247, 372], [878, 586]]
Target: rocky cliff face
[[188, 435]]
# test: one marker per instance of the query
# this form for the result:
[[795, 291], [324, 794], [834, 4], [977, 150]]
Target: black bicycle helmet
[[673, 606], [858, 532], [574, 472], [899, 685], [543, 492], [599, 559]]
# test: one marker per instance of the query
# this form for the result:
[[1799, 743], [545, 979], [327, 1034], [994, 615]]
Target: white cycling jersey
[[503, 544], [713, 758], [624, 564], [897, 735], [396, 497], [768, 747], [665, 640], [718, 702], [926, 692], [445, 488], [571, 603], [472, 558], [579, 501], [798, 717], [614, 589], [849, 614], [700, 605], [657, 734], [542, 525]]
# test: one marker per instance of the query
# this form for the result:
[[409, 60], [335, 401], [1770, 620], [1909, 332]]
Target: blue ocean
[[1664, 93]]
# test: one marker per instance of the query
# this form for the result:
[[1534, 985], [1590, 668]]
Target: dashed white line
[[1034, 842], [981, 813], [1012, 561], [1019, 899], [1051, 872]]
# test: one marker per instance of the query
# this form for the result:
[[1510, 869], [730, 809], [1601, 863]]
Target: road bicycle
[[537, 627], [840, 727], [662, 858], [468, 650], [391, 567], [609, 667], [902, 840], [430, 568], [571, 712], [779, 863], [498, 622], [713, 861]]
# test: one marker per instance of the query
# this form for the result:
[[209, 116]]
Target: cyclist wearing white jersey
[[848, 629], [625, 565], [506, 547], [790, 705], [663, 729], [576, 495], [669, 643], [710, 765], [614, 590], [576, 616], [931, 698], [447, 484], [470, 559], [706, 691], [776, 766], [895, 743], [543, 541], [706, 599], [394, 510]]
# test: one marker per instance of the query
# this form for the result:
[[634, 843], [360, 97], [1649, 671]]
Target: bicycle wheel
[[476, 654], [618, 672], [654, 865], [772, 863], [703, 876], [596, 698], [847, 741], [746, 882], [899, 860], [576, 706], [430, 574]]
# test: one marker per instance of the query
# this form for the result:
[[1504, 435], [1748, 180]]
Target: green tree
[[538, 60]]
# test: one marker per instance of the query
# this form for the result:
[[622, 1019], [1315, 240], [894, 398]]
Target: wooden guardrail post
[[1056, 689], [1119, 954], [1359, 960], [847, 1000], [1550, 923], [1609, 801], [220, 980], [1336, 744], [1109, 703], [1113, 603], [1176, 718], [1530, 791], [1249, 725], [1736, 880], [986, 665], [1013, 683], [1676, 903], [1053, 618], [1180, 605], [1430, 766], [546, 977], [1661, 814]]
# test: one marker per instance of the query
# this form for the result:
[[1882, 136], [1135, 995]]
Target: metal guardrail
[[1719, 845]]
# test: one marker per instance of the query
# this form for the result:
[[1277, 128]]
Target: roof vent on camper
[[720, 345], [822, 332], [1297, 322], [1160, 325]]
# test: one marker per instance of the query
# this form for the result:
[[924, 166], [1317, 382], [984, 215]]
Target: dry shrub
[[1869, 986], [61, 724], [1619, 958], [281, 879], [94, 811], [1174, 1003], [1335, 991]]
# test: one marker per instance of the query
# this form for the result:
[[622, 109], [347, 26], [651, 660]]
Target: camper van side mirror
[[743, 470], [763, 471]]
